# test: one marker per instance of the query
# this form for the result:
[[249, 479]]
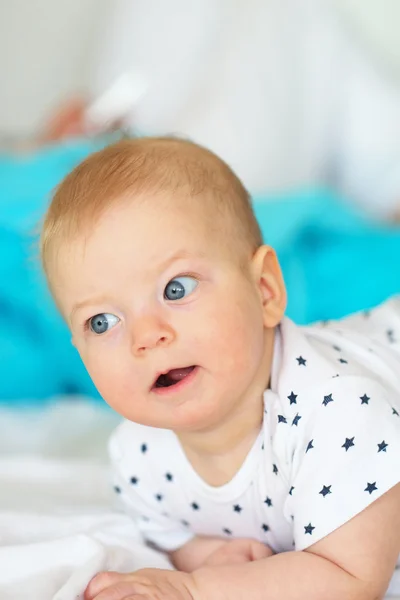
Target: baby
[[263, 457]]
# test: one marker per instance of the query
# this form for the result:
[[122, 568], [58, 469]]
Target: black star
[[309, 529], [262, 447], [390, 334], [366, 313], [310, 446], [365, 399], [292, 397], [159, 497], [185, 523], [237, 508], [168, 477], [327, 399], [337, 375], [117, 489], [394, 412], [143, 448], [265, 527], [348, 443], [134, 480], [343, 361], [282, 419], [275, 469], [336, 348], [371, 487], [291, 491], [195, 506], [382, 446], [227, 531], [268, 501], [296, 419], [301, 361], [326, 490]]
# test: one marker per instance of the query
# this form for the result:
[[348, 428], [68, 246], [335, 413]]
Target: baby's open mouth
[[172, 377]]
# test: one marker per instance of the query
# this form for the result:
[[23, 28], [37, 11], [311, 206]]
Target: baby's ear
[[269, 280]]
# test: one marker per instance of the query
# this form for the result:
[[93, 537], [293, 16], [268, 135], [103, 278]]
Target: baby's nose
[[150, 333]]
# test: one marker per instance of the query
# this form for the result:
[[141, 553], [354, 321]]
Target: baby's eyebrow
[[93, 300], [180, 255]]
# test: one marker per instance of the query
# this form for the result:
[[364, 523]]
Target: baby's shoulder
[[306, 412], [360, 347], [327, 376]]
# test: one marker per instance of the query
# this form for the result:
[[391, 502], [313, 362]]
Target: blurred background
[[49, 50], [300, 97]]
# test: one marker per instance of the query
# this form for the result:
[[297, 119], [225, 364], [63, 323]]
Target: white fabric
[[279, 88], [57, 524], [328, 447]]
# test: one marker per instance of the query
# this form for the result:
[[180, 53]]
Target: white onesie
[[329, 445]]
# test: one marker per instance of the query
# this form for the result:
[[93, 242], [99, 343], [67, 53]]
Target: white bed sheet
[[57, 527]]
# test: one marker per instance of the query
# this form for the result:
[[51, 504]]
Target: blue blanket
[[334, 262]]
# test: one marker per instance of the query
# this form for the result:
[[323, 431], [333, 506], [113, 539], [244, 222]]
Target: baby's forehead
[[158, 223], [174, 209]]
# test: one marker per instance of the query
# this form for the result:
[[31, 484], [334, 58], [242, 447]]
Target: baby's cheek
[[238, 335], [119, 393], [107, 370]]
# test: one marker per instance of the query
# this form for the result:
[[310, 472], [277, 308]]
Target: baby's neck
[[218, 460], [224, 439]]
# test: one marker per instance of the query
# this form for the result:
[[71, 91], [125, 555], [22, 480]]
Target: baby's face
[[167, 324]]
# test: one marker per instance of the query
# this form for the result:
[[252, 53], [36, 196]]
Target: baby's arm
[[354, 562], [202, 550], [194, 553]]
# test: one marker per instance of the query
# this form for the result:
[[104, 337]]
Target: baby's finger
[[102, 581], [125, 590]]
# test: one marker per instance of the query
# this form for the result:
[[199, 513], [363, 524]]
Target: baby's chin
[[194, 415]]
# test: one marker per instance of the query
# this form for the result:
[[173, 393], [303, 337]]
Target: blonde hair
[[146, 166]]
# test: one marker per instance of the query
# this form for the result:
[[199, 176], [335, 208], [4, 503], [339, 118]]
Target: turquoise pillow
[[334, 259]]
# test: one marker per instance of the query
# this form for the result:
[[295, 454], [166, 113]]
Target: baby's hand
[[146, 584], [238, 551], [66, 122]]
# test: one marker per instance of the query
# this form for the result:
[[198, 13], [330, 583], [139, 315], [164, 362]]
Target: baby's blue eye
[[179, 288], [103, 322]]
